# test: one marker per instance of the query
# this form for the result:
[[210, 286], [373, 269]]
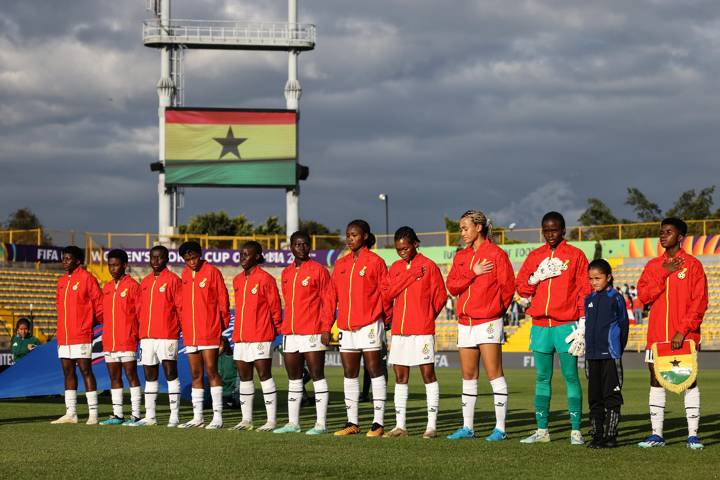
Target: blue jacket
[[606, 325]]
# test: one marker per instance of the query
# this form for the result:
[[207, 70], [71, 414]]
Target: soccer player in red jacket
[[483, 279], [79, 306], [205, 313], [555, 276], [676, 286], [361, 319], [257, 322], [120, 337], [159, 308], [415, 288], [309, 316]]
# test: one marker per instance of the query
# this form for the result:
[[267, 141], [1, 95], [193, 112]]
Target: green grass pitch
[[32, 448]]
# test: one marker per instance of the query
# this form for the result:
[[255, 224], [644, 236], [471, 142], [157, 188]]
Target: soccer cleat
[[652, 441], [496, 435], [693, 443], [576, 438], [396, 433], [350, 429], [92, 420], [113, 420], [288, 428], [130, 422], [268, 427], [215, 425], [376, 430], [537, 437], [461, 433], [174, 422], [194, 423], [144, 422], [317, 430], [429, 434], [247, 426], [67, 418]]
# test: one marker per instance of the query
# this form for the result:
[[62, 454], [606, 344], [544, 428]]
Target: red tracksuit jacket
[[417, 297], [205, 309], [556, 300], [258, 313], [120, 324], [679, 299], [309, 299], [482, 298], [357, 284], [79, 304], [159, 306]]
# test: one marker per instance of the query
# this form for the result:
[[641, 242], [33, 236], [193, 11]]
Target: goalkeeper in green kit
[[555, 276]]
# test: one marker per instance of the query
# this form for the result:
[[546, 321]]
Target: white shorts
[[199, 348], [114, 357], [368, 338], [303, 343], [156, 350], [411, 350], [488, 332], [251, 351], [79, 350], [649, 356]]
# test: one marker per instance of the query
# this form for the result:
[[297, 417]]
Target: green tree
[[645, 210], [270, 227], [25, 219], [692, 206], [596, 214], [327, 239]]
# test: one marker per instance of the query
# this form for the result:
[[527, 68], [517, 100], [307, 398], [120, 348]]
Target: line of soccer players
[[365, 298]]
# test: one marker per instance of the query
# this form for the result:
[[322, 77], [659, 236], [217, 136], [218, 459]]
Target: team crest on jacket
[[75, 287], [162, 288], [254, 289], [362, 272], [306, 281], [682, 273], [203, 283], [123, 294]]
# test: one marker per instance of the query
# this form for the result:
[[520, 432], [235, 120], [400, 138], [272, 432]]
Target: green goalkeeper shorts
[[551, 339]]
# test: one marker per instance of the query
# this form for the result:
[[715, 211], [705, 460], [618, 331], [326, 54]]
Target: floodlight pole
[[293, 91]]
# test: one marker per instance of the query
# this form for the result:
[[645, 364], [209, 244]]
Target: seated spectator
[[23, 341], [637, 309], [228, 373]]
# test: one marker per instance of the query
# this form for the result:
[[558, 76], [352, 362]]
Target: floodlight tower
[[172, 37]]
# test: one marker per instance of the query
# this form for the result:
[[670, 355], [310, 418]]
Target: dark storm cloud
[[511, 107]]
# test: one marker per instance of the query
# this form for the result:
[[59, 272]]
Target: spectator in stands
[[514, 313], [450, 308], [23, 341], [629, 308], [633, 291], [228, 373], [637, 306]]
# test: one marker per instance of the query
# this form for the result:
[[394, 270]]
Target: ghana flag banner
[[233, 148], [676, 369]]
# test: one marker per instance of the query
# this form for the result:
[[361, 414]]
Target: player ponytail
[[365, 229], [257, 248], [479, 218], [406, 233]]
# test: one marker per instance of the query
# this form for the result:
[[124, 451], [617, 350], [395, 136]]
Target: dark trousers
[[605, 378]]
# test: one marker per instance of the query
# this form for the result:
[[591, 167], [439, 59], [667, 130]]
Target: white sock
[[174, 398], [500, 398], [217, 406], [197, 395], [322, 397], [71, 402], [295, 391], [270, 397], [151, 389], [116, 394], [692, 410], [469, 397], [401, 397], [351, 386], [657, 410], [432, 394], [92, 402], [135, 401], [379, 393], [247, 395]]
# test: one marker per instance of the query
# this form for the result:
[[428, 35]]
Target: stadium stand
[[21, 287]]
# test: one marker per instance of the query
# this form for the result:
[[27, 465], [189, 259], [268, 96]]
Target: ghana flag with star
[[233, 148], [675, 369]]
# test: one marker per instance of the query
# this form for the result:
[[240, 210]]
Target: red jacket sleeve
[[652, 283], [223, 299], [439, 292], [96, 297], [459, 279], [273, 299], [506, 279], [524, 289], [698, 301], [392, 286], [582, 284], [328, 297]]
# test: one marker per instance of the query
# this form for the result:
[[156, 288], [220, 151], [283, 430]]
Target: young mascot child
[[606, 334], [416, 289]]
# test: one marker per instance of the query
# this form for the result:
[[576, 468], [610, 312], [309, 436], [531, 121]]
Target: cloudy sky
[[513, 107]]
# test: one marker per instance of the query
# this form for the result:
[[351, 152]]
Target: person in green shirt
[[23, 341], [228, 373]]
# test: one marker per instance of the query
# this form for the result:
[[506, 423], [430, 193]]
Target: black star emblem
[[229, 144], [675, 363]]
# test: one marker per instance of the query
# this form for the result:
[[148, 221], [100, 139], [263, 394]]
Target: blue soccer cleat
[[113, 420], [693, 443], [652, 441], [496, 435], [461, 433], [288, 428], [317, 430]]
